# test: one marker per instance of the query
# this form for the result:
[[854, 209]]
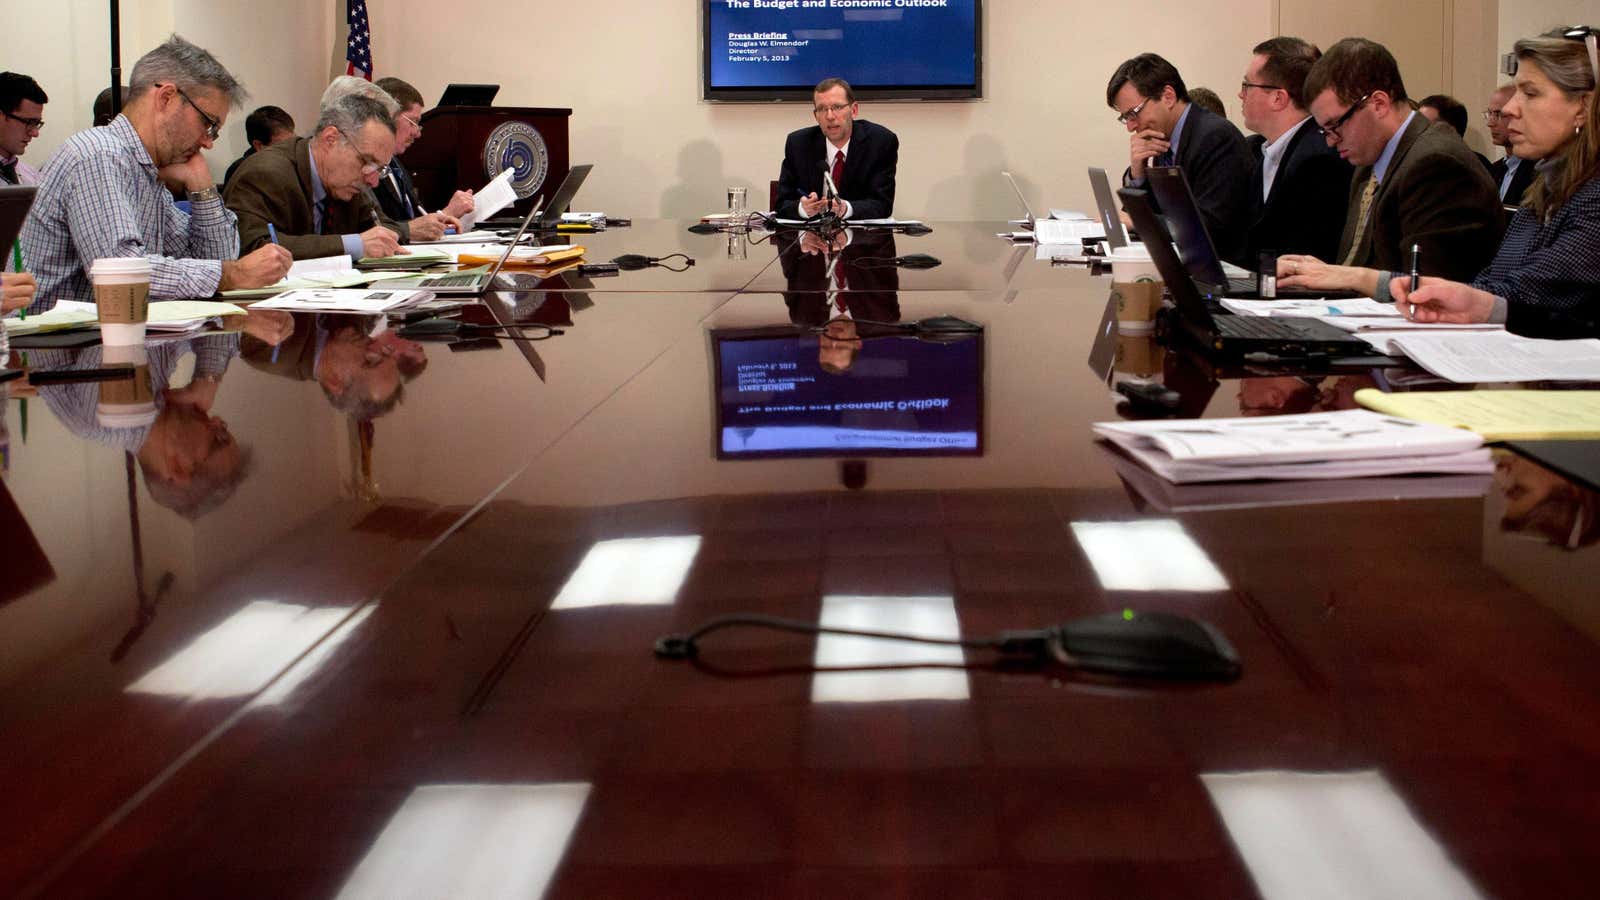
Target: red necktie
[[838, 171]]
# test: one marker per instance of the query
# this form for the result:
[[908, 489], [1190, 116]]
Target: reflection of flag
[[359, 50]]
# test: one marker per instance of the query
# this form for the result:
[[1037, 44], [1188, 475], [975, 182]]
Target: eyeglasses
[[414, 123], [1332, 128], [29, 124], [837, 109], [1492, 116], [369, 166], [1132, 114], [213, 126], [1588, 35], [1247, 85]]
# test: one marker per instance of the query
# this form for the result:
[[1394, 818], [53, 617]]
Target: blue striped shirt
[[1556, 264], [101, 197]]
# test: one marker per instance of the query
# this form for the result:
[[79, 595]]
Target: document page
[[1501, 356], [495, 196]]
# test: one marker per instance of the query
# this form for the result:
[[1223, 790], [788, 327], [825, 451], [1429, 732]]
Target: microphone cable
[[630, 262]]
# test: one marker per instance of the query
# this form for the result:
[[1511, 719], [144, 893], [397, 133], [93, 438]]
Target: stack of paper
[[495, 196], [164, 316], [1498, 356], [331, 271], [1348, 444], [344, 300], [416, 258], [525, 257], [1498, 415]]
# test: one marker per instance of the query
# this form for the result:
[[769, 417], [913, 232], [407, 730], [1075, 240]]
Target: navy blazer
[[1216, 162], [869, 167], [1310, 196], [1554, 264], [1519, 181]]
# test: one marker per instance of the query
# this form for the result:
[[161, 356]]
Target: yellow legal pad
[[1497, 415], [522, 258]]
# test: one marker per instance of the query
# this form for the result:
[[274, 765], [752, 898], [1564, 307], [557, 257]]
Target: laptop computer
[[1195, 247], [1049, 230], [1116, 235], [15, 201], [468, 94], [1278, 336], [469, 283], [555, 205]]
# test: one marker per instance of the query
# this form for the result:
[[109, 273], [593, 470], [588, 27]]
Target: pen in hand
[[1416, 252]]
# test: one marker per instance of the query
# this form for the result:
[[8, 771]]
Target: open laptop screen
[[1183, 220]]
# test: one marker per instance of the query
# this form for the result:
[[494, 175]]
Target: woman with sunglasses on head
[[1545, 279]]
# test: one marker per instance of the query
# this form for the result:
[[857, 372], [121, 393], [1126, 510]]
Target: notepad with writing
[[1497, 415]]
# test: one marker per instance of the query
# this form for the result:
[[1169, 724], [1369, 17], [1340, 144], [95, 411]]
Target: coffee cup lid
[[125, 415], [120, 265]]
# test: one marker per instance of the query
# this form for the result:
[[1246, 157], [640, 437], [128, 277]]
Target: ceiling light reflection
[[921, 616], [471, 840], [1147, 555], [249, 649], [1311, 836], [630, 572]]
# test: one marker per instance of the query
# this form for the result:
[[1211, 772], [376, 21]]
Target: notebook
[[1279, 337]]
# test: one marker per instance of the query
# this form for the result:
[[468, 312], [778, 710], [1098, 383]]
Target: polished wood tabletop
[[410, 653]]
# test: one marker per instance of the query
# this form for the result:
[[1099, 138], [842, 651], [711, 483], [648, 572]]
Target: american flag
[[359, 51]]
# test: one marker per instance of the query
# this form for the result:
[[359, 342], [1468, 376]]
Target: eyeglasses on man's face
[[837, 109], [1331, 130], [1133, 114], [369, 165], [29, 124], [1247, 85], [213, 125]]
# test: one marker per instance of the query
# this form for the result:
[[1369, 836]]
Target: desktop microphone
[[827, 183]]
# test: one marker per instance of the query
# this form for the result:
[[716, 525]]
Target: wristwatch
[[204, 194]]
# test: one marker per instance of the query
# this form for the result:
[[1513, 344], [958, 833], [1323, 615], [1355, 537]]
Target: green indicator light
[[1127, 615]]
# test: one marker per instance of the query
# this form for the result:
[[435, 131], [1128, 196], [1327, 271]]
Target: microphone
[[827, 183]]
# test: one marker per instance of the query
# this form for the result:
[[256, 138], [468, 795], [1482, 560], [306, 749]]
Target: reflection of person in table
[[1541, 502], [190, 460], [361, 365]]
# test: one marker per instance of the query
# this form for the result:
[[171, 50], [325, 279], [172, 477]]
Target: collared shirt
[[1272, 156], [1380, 168], [1177, 132], [26, 174], [319, 201], [1512, 164], [101, 197]]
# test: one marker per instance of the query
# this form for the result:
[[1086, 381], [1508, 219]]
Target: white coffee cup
[[1129, 271], [1131, 251], [122, 298]]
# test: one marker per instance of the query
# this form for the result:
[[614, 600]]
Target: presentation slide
[[870, 43], [897, 396]]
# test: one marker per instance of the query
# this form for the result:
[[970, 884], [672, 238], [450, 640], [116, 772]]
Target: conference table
[[413, 654]]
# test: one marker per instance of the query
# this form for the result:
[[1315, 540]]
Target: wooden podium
[[450, 154]]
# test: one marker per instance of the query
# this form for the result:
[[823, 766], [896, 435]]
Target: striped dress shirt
[[101, 197]]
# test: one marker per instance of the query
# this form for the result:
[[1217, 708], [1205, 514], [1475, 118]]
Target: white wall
[[278, 49], [629, 69]]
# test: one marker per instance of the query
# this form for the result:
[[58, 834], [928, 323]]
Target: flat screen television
[[887, 49], [778, 393]]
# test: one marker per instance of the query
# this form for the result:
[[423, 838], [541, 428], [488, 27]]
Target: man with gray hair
[[316, 192], [413, 225], [103, 193]]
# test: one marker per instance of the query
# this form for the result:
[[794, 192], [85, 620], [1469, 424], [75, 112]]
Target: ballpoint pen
[[1415, 253]]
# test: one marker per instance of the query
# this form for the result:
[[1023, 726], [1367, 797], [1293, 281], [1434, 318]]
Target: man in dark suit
[[1513, 174], [1304, 188], [1165, 129], [852, 274], [266, 126], [1416, 183], [397, 195], [313, 191], [862, 157]]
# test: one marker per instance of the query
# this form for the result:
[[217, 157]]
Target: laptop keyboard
[[1259, 327], [450, 280]]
